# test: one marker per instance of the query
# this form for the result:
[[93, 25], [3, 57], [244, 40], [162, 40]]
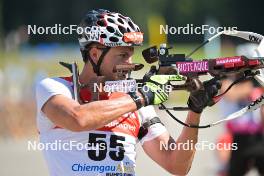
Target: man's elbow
[[82, 121], [81, 125], [179, 169], [84, 125]]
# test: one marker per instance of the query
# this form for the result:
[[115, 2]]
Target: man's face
[[115, 56]]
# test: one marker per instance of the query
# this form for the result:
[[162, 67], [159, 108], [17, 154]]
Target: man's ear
[[95, 54]]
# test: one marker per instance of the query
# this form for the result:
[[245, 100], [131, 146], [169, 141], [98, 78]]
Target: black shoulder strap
[[143, 130]]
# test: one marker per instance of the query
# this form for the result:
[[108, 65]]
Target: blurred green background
[[26, 59]]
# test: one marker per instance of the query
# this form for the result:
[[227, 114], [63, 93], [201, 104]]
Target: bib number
[[116, 148]]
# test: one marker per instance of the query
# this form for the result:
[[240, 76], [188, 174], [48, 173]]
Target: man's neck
[[87, 74], [89, 78]]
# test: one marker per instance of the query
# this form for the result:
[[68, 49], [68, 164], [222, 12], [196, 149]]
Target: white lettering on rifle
[[222, 61], [184, 67]]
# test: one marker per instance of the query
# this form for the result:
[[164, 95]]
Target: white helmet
[[108, 28]]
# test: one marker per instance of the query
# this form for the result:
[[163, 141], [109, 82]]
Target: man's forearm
[[99, 113], [188, 135]]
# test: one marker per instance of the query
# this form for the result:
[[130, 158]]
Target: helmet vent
[[111, 15], [110, 20], [113, 39], [131, 25], [122, 29], [120, 20], [103, 36], [121, 16], [101, 23], [110, 29]]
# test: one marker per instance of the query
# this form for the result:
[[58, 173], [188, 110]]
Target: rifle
[[218, 68]]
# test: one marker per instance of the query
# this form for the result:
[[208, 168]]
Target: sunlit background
[[26, 59]]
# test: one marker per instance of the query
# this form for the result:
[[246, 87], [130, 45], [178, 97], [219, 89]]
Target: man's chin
[[116, 77]]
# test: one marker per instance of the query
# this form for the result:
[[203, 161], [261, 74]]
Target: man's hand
[[202, 98], [156, 90]]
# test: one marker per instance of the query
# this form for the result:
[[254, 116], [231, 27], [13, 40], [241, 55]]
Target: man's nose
[[128, 60]]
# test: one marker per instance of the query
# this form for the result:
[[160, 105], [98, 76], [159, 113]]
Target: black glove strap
[[147, 95], [136, 99]]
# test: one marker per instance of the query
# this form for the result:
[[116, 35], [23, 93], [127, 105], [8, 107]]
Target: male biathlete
[[113, 125]]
